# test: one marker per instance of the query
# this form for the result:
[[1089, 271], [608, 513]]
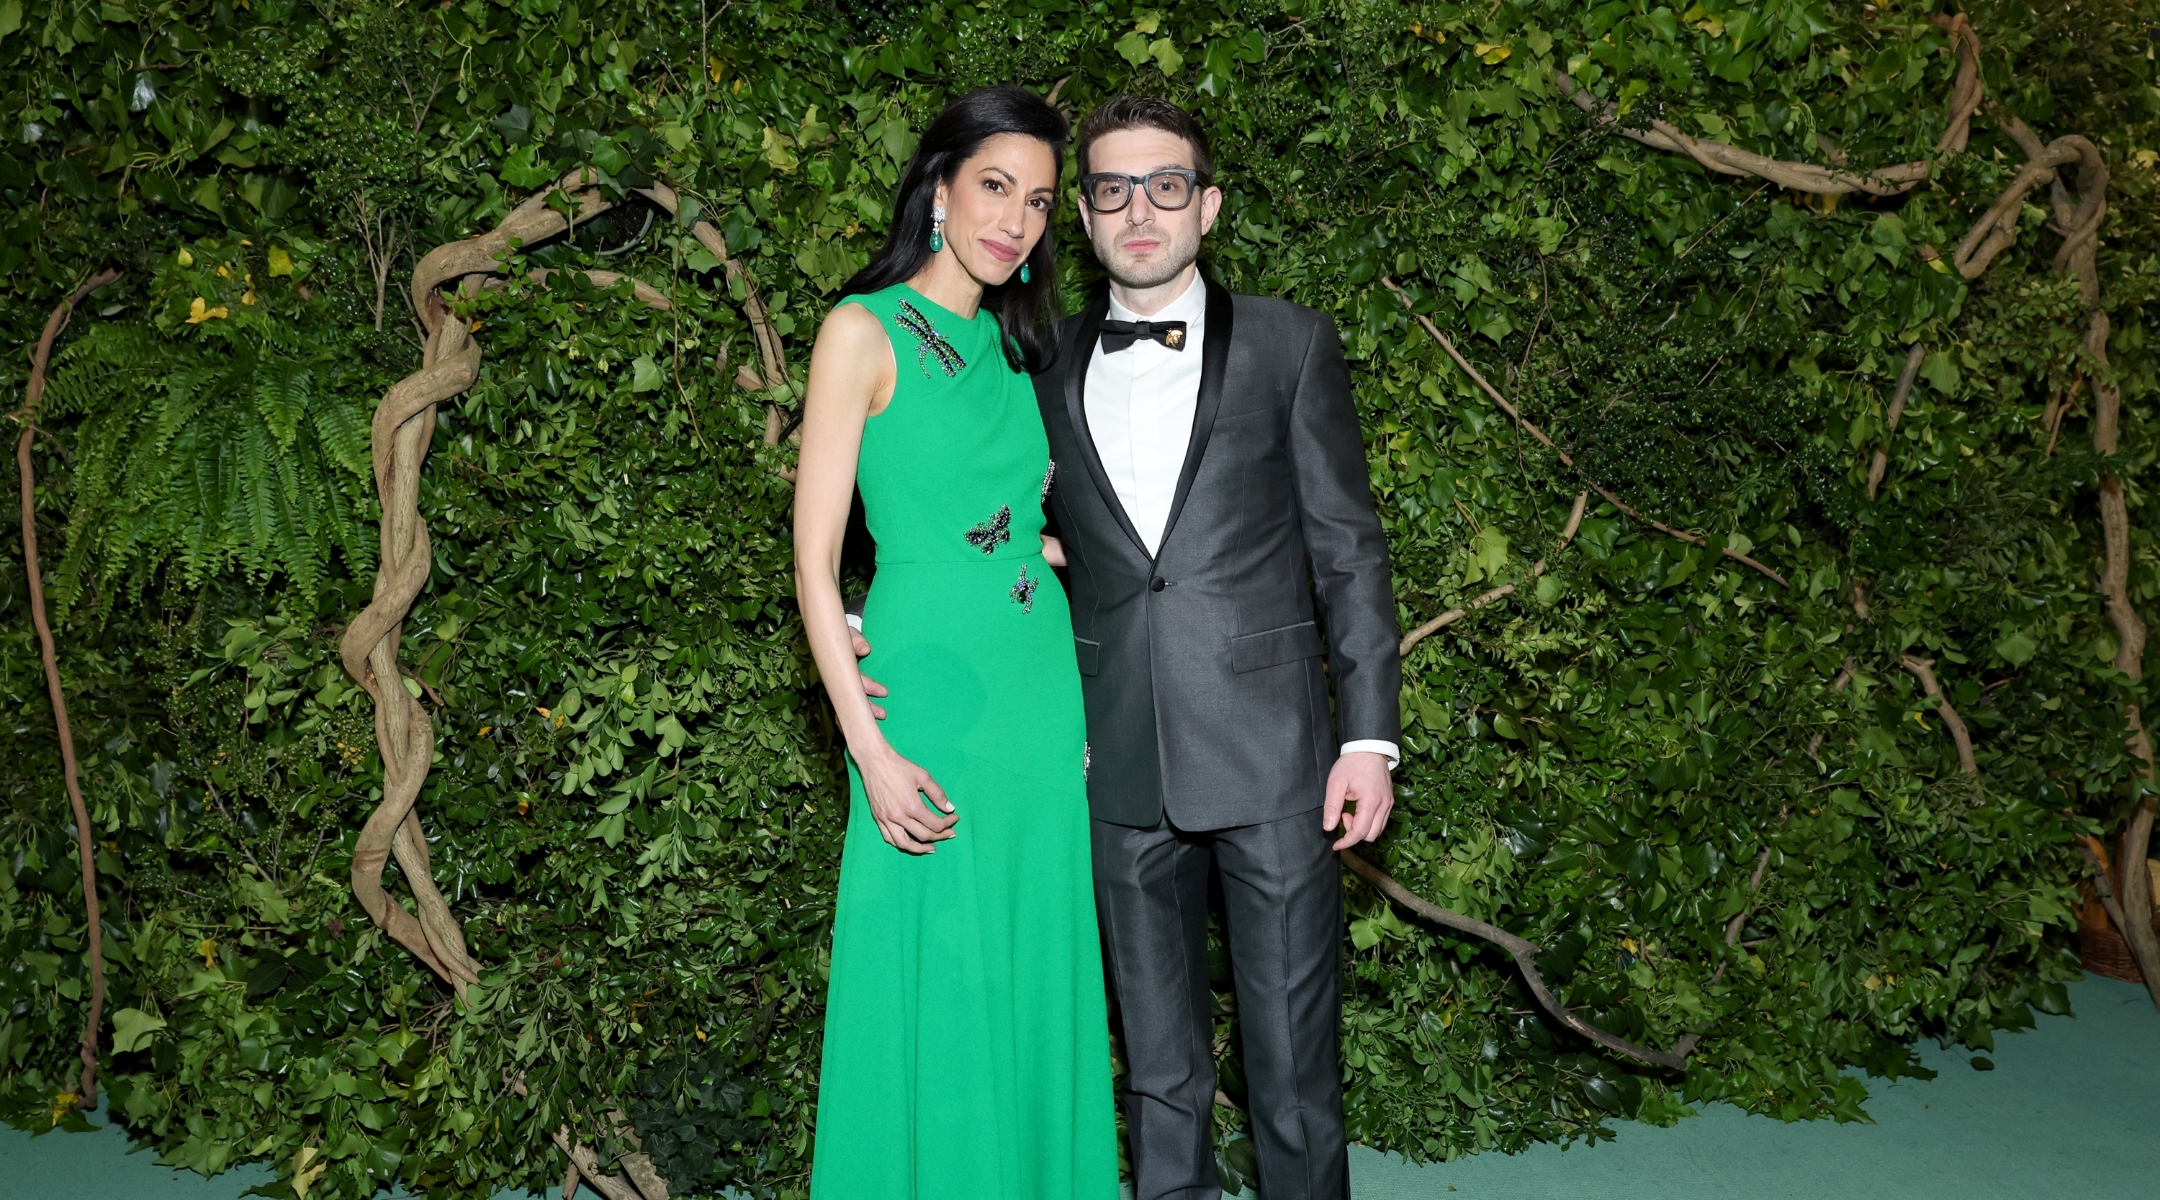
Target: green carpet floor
[[2069, 1113]]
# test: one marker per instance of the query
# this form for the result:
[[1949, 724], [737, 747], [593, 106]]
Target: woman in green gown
[[966, 1044]]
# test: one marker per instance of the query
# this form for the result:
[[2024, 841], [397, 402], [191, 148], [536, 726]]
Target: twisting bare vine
[[1523, 951], [403, 427], [1881, 462], [2079, 211], [34, 392], [1923, 669]]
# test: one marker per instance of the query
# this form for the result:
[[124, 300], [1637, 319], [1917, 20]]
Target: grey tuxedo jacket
[[1202, 665]]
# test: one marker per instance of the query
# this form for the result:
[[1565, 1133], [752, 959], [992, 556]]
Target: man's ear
[[1210, 208], [1087, 219]]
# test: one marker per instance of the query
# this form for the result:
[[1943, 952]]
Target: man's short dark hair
[[1144, 112]]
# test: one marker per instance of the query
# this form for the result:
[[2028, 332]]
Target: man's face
[[1145, 246]]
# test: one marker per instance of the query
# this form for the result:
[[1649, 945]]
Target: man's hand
[[870, 687], [1358, 781]]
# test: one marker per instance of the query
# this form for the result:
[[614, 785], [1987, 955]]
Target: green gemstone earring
[[1023, 272], [937, 228]]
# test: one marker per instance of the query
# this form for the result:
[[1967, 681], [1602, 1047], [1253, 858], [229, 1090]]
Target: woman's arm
[[851, 379]]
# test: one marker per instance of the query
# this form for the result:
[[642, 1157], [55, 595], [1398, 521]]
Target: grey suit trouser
[[1282, 892]]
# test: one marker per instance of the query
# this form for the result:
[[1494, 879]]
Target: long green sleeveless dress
[[966, 1045]]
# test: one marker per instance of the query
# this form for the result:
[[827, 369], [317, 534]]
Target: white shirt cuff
[[1389, 749], [854, 622]]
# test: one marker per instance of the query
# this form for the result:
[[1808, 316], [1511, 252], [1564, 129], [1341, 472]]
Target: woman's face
[[997, 207]]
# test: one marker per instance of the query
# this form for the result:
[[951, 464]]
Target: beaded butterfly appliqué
[[988, 535], [1023, 592], [928, 341]]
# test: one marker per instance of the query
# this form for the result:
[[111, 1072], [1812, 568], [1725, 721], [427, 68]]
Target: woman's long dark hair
[[1026, 312]]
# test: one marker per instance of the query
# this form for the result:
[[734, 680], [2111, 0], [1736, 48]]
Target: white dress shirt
[[1140, 405]]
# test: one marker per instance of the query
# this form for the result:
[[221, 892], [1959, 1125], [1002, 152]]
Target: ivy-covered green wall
[[637, 796]]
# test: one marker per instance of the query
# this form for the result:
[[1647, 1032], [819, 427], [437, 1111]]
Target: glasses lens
[[1169, 191], [1108, 195]]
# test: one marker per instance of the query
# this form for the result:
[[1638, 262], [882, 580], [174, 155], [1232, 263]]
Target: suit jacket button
[[1157, 584]]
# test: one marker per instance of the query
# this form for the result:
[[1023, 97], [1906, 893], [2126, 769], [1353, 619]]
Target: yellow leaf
[[308, 1166], [224, 271], [779, 150], [2146, 158], [280, 261], [1872, 983], [199, 312], [208, 949], [186, 259], [1492, 53], [249, 298]]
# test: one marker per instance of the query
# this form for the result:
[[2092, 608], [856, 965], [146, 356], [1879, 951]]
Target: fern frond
[[344, 431], [282, 387]]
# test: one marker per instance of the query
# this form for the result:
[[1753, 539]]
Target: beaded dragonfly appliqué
[[1023, 592], [988, 535], [928, 341]]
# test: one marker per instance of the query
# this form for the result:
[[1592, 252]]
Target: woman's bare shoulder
[[853, 357], [850, 327]]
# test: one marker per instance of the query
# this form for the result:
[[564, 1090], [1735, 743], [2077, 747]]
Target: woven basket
[[2103, 947], [2105, 951]]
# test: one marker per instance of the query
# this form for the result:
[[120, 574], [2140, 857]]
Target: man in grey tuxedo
[[1211, 492]]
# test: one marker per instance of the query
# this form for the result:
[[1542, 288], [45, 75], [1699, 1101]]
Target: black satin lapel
[[1082, 352], [1214, 361]]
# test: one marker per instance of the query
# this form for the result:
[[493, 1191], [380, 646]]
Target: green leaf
[[2018, 648], [1941, 371], [1620, 1095], [132, 1027], [645, 374], [1133, 48], [522, 170], [1166, 56], [1488, 554]]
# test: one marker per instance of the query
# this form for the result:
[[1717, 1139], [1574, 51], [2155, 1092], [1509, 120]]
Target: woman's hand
[[895, 788], [1053, 551]]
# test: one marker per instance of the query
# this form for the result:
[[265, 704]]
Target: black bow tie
[[1116, 335]]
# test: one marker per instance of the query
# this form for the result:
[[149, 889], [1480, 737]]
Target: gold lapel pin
[[1174, 339]]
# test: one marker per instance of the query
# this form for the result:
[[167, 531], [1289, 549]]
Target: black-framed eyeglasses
[[1169, 189]]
